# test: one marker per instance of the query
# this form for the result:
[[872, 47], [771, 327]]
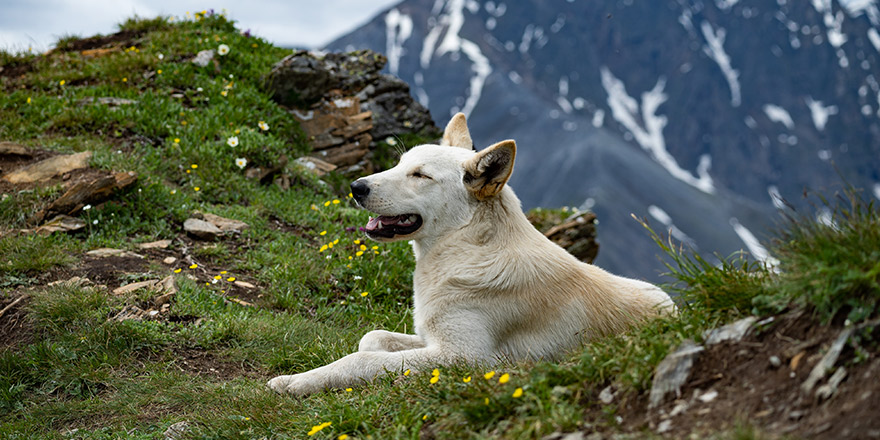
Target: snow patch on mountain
[[398, 29], [877, 190], [452, 43], [820, 112], [856, 8], [752, 243], [726, 4], [778, 114], [661, 216], [625, 109], [714, 48], [598, 118], [874, 37]]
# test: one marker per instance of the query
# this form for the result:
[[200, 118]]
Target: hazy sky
[[304, 23]]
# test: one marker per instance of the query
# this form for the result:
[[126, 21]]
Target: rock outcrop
[[344, 104]]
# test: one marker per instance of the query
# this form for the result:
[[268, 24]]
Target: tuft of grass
[[831, 261]]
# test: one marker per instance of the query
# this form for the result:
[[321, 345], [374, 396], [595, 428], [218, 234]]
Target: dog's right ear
[[486, 173], [457, 134]]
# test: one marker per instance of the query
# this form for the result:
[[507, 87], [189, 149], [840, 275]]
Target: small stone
[[664, 426], [775, 361], [110, 252], [730, 332], [203, 58], [223, 223], [680, 407], [160, 244], [606, 396], [169, 260], [672, 372], [201, 229], [244, 284], [708, 396]]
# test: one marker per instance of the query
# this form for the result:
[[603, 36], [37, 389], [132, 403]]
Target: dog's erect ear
[[486, 173], [457, 134]]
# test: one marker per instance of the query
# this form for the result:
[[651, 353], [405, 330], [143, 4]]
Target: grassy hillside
[[68, 369]]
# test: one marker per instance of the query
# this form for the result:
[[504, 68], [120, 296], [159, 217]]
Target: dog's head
[[434, 189]]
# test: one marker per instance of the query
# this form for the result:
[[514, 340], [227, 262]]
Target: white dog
[[487, 285]]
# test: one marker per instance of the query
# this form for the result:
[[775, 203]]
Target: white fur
[[487, 285]]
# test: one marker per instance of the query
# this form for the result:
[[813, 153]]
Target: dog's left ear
[[457, 134], [486, 173]]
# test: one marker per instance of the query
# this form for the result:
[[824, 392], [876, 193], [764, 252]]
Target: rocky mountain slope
[[701, 116]]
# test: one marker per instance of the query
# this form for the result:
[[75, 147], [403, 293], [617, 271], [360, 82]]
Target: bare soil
[[750, 389]]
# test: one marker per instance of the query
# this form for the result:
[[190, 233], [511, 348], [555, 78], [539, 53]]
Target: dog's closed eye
[[418, 174]]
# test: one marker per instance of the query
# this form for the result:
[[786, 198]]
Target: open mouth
[[385, 226]]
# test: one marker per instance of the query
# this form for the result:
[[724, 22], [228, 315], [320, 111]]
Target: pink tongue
[[374, 222]]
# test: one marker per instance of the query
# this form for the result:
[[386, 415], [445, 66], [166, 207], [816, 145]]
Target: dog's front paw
[[295, 384]]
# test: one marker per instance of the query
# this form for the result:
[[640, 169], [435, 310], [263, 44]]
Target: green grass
[[83, 370]]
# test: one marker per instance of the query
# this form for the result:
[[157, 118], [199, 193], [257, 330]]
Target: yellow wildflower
[[323, 248], [196, 189], [517, 393], [327, 203], [435, 373], [29, 100], [466, 379], [335, 201], [364, 294], [341, 436], [194, 166], [406, 373], [176, 140], [323, 233], [358, 253], [62, 82], [317, 428], [230, 279], [193, 266], [357, 242], [504, 378], [348, 390], [177, 270], [435, 379], [363, 248], [489, 375]]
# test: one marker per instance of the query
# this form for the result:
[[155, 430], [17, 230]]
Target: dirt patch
[[199, 362], [759, 382], [16, 330], [124, 38]]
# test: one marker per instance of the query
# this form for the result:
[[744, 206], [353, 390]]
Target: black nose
[[359, 190]]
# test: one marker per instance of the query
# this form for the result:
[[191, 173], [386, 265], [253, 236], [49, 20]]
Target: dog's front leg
[[357, 368], [382, 340]]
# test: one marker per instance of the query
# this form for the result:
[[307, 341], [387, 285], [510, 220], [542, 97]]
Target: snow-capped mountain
[[698, 115]]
